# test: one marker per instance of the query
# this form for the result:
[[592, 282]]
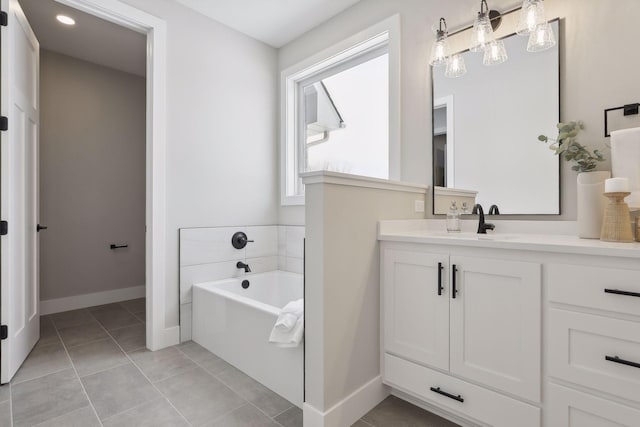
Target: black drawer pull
[[617, 292], [616, 359], [454, 288], [449, 395], [440, 288], [113, 247]]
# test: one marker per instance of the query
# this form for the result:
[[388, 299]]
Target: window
[[339, 113]]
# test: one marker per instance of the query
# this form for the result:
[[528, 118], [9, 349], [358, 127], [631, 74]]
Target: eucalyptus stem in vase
[[590, 183], [567, 146]]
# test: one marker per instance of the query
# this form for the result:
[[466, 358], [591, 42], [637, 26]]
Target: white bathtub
[[235, 324]]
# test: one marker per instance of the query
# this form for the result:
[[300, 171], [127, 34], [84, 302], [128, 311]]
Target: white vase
[[591, 203]]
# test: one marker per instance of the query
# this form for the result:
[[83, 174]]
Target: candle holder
[[616, 226]]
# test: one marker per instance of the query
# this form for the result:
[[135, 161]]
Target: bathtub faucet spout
[[241, 264]]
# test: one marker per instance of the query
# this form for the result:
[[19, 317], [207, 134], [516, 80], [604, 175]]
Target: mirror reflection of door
[[440, 145]]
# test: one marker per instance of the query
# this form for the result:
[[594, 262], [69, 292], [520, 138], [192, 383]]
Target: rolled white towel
[[289, 328], [290, 315], [288, 339], [625, 160]]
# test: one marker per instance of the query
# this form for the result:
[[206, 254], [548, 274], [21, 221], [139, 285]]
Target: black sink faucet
[[493, 210], [241, 264], [482, 226]]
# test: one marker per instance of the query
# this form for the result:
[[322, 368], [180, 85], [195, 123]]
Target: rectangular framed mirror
[[486, 125]]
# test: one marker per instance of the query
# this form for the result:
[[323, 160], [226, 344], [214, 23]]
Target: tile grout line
[[226, 385], [73, 366], [40, 376], [10, 404], [246, 402], [288, 409], [142, 373]]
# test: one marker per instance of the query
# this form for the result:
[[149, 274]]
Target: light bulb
[[440, 50], [456, 66], [495, 53], [531, 15], [482, 33], [542, 38]]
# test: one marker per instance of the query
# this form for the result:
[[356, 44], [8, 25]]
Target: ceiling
[[275, 22], [91, 39]]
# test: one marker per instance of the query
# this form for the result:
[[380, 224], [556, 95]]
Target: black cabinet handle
[[41, 227], [617, 292], [454, 289], [440, 288], [113, 247], [616, 359], [449, 395]]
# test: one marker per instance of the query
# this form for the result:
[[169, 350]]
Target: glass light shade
[[495, 53], [455, 66], [542, 38], [532, 14], [482, 33], [440, 51]]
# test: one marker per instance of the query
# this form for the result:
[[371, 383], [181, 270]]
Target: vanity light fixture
[[532, 14], [495, 53], [542, 38], [482, 33], [66, 20], [440, 50], [455, 66]]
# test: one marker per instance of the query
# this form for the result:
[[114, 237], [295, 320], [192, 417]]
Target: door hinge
[[4, 19], [4, 332], [4, 228], [4, 123]]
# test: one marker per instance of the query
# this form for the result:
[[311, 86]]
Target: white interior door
[[19, 290]]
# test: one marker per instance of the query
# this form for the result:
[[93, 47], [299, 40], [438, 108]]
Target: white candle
[[616, 185]]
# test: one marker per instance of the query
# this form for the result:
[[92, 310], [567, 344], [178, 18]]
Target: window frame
[[373, 42]]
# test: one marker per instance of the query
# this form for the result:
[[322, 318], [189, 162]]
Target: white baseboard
[[169, 338], [350, 409], [89, 300]]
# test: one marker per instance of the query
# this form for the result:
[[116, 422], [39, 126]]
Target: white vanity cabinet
[[531, 331], [415, 295], [470, 318]]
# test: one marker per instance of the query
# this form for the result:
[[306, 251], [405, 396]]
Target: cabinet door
[[571, 408], [415, 307], [496, 324]]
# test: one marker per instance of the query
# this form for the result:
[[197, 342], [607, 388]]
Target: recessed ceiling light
[[66, 20]]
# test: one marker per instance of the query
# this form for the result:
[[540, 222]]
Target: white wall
[[221, 134], [598, 51], [342, 314], [92, 177]]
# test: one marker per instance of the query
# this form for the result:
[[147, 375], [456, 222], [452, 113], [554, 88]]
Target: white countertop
[[559, 243]]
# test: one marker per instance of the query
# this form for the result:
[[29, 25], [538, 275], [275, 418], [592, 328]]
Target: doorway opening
[[21, 316]]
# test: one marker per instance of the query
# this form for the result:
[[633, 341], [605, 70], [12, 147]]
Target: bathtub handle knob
[[240, 240]]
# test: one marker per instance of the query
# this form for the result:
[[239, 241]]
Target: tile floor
[[91, 368]]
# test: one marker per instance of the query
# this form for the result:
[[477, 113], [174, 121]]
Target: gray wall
[[92, 177], [598, 50]]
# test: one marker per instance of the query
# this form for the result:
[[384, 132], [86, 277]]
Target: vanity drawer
[[477, 403], [570, 408], [585, 286], [594, 351]]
